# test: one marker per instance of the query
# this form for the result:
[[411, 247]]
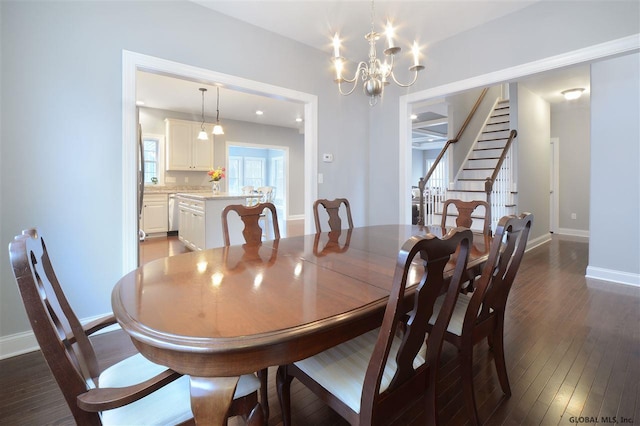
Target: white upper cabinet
[[184, 150]]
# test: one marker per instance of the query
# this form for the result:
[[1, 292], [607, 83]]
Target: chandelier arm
[[415, 77], [362, 68]]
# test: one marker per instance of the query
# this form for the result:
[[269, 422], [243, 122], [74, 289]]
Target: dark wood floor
[[572, 347]]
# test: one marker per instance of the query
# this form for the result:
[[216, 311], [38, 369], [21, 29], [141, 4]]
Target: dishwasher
[[174, 213]]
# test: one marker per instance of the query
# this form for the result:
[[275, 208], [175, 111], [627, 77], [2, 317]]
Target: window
[[153, 151], [254, 171], [234, 175]]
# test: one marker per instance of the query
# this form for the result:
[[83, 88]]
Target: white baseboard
[[25, 342], [531, 244], [295, 217], [573, 232], [613, 276], [18, 344]]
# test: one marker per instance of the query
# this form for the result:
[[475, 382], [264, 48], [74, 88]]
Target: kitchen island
[[200, 219]]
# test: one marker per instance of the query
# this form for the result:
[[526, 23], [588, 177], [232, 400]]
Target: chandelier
[[217, 129], [375, 74], [203, 134]]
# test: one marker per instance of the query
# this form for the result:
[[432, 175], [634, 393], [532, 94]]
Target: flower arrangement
[[216, 174]]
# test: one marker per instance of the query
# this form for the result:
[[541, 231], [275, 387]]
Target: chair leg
[[283, 385], [264, 401], [497, 340], [466, 374], [256, 417]]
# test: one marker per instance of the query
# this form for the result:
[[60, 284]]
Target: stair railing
[[500, 175], [423, 181]]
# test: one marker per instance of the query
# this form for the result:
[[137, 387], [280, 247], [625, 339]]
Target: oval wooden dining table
[[219, 313]]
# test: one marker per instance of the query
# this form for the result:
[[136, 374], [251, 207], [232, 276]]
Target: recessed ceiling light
[[258, 112], [572, 94], [139, 103], [298, 120], [414, 116]]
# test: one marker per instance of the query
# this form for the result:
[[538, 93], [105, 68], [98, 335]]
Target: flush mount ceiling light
[[202, 135], [374, 73], [217, 129], [572, 94]]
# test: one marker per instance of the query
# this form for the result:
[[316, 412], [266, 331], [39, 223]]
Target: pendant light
[[217, 129], [203, 134]]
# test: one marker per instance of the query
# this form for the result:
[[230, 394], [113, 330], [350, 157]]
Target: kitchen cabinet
[[155, 214], [184, 151], [200, 223], [191, 225]]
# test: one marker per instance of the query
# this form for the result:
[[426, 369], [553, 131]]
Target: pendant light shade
[[217, 129], [202, 135]]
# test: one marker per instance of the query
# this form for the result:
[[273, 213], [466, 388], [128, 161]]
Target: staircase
[[484, 163]]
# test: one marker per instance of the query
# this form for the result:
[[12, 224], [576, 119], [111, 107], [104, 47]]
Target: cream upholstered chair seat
[[457, 318], [341, 369], [168, 405]]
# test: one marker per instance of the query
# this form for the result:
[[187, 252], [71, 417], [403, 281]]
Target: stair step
[[493, 139], [500, 115], [484, 158], [494, 131], [488, 149]]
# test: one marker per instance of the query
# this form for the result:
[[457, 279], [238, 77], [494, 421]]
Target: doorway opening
[[132, 63]]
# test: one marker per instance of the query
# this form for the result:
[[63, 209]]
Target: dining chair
[[372, 378], [250, 216], [132, 391], [252, 233], [268, 193], [465, 211], [333, 210], [480, 314]]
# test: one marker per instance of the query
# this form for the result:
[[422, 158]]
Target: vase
[[215, 186]]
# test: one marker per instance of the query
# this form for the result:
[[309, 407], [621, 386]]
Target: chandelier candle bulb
[[416, 54], [389, 32], [336, 46]]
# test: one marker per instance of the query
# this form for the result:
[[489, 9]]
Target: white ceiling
[[175, 94], [314, 23]]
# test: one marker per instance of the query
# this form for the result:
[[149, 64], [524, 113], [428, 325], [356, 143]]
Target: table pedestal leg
[[211, 398]]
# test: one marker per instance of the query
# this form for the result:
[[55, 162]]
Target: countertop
[[161, 189], [202, 196]]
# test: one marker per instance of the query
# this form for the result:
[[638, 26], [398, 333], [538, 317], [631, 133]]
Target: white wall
[[571, 126], [533, 122], [614, 249], [61, 135]]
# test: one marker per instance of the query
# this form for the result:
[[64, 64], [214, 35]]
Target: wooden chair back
[[493, 286], [62, 339], [411, 319], [465, 212], [333, 210], [250, 216], [481, 315]]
